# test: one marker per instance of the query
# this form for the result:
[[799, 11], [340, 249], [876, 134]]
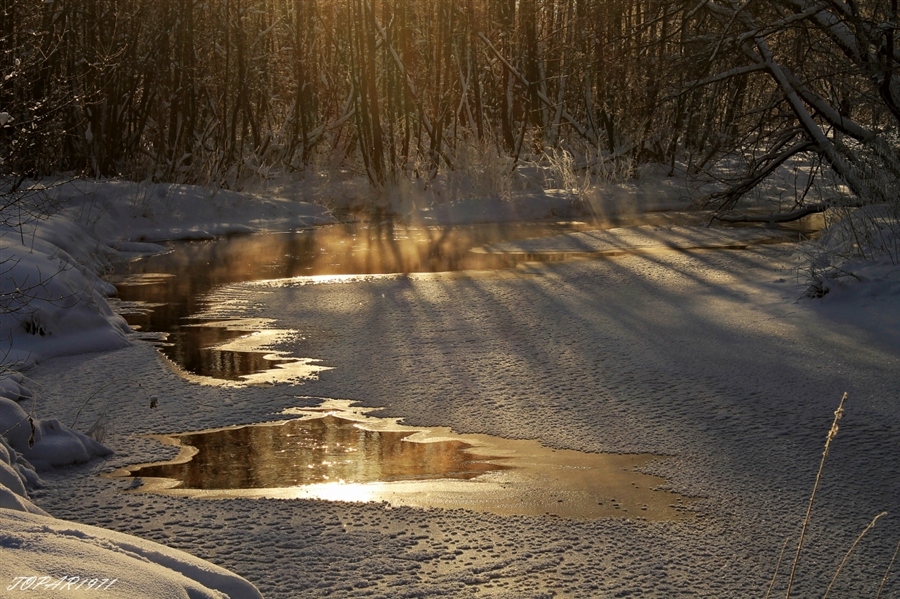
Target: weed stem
[[888, 571], [849, 551], [832, 433]]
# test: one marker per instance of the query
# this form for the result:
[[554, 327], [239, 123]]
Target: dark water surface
[[169, 289], [328, 449]]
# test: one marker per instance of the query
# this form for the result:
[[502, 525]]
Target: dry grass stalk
[[849, 551], [777, 567], [888, 571], [832, 433]]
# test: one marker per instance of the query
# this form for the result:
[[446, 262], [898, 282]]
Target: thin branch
[[543, 98], [777, 567]]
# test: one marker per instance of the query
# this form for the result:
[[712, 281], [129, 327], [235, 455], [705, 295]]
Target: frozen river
[[705, 357]]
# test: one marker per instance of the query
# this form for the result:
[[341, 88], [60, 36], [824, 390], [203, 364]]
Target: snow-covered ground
[[713, 358]]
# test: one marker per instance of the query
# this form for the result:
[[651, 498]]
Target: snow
[[59, 555], [715, 359], [42, 553], [54, 301], [16, 477], [122, 211]]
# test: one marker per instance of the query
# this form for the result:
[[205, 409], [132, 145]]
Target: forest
[[215, 92]]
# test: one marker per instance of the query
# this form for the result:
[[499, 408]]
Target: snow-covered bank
[[57, 241], [16, 477], [53, 300], [122, 211], [40, 553], [47, 555]]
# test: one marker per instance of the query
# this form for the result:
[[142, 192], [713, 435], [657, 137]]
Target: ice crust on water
[[616, 357]]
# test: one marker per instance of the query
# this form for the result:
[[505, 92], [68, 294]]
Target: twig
[[90, 397]]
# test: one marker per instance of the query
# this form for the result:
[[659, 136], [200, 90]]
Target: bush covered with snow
[[52, 300], [45, 443], [17, 476], [862, 247]]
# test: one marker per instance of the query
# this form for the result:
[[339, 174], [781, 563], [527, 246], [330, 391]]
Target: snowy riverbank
[[57, 241], [709, 357]]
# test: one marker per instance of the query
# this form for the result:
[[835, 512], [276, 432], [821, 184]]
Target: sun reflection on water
[[337, 452]]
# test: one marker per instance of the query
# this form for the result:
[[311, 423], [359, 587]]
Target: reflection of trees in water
[[346, 249], [302, 452], [350, 248], [194, 350], [378, 247]]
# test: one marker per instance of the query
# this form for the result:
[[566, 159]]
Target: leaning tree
[[797, 77]]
